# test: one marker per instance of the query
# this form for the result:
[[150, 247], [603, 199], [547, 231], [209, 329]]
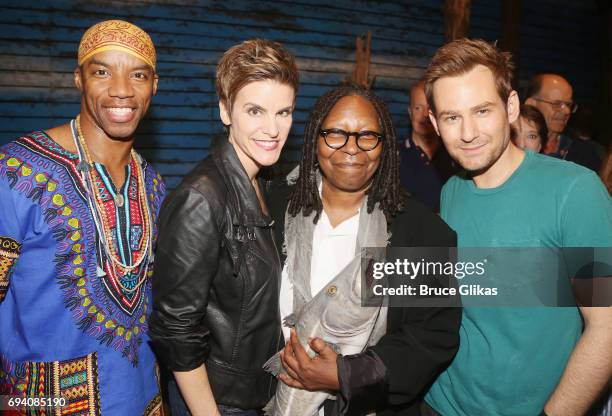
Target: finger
[[293, 374], [286, 365], [288, 350], [318, 345], [298, 351], [293, 338], [326, 351], [290, 362]]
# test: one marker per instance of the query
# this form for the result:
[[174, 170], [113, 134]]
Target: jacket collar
[[240, 190]]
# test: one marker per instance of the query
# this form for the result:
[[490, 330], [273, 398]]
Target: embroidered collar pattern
[[47, 174]]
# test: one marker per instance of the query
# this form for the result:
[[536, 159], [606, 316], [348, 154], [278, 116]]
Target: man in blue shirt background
[[425, 164]]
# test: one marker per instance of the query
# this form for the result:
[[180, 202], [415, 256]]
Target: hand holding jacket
[[310, 373], [420, 343]]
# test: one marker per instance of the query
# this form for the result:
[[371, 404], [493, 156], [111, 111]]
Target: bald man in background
[[425, 164], [553, 96]]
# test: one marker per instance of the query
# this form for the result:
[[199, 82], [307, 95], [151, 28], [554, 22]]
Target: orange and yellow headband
[[117, 35]]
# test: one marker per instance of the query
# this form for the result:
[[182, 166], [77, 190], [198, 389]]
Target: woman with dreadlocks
[[347, 182]]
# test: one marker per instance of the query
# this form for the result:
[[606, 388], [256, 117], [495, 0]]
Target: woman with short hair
[[215, 286]]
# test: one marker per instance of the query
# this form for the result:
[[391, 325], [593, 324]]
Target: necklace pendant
[[119, 200]]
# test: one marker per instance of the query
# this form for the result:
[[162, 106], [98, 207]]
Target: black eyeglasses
[[336, 138], [558, 105]]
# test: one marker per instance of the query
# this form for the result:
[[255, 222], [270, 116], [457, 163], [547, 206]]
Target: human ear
[[77, 77], [513, 106], [155, 81], [224, 113]]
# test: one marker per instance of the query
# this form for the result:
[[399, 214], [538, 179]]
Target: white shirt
[[332, 249]]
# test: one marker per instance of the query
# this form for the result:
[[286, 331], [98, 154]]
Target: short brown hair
[[254, 60], [461, 56]]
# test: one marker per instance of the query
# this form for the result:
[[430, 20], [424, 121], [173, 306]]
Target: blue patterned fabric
[[59, 309]]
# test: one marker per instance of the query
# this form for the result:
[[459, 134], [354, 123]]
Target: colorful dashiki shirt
[[66, 327]]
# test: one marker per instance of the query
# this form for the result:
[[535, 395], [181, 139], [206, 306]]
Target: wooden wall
[[554, 36], [39, 39], [37, 57]]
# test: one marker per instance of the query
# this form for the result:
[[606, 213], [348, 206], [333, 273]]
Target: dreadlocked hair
[[385, 188]]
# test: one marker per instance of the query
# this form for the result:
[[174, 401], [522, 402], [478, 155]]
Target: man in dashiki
[[78, 211]]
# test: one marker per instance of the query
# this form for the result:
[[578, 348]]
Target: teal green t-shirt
[[511, 359]]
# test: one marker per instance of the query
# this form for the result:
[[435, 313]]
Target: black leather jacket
[[216, 282]]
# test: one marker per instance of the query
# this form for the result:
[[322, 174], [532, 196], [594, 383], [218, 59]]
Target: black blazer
[[420, 342]]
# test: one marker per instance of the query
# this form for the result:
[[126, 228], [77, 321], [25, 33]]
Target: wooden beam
[[456, 19], [512, 11], [361, 70]]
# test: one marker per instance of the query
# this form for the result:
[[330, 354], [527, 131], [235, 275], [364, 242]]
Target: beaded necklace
[[103, 229]]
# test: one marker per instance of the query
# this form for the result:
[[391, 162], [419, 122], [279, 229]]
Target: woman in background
[[531, 131]]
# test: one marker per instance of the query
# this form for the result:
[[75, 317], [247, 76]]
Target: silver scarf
[[299, 231]]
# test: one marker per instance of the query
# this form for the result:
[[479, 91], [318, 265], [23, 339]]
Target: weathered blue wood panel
[[38, 42]]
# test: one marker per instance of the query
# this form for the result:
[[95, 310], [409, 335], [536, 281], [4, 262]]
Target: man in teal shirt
[[514, 360]]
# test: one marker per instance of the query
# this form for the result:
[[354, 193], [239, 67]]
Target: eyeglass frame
[[348, 134], [573, 107]]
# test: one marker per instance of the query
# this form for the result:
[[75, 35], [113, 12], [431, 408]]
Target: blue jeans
[[178, 407]]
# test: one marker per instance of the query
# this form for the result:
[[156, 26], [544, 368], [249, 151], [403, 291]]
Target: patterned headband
[[117, 35]]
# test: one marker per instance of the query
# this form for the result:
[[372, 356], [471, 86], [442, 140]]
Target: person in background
[[215, 317], [553, 96], [582, 124], [530, 129], [425, 165], [78, 215]]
